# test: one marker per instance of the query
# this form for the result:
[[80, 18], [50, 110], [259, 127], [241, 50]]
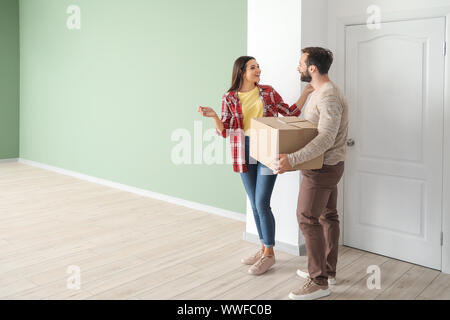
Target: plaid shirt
[[232, 119]]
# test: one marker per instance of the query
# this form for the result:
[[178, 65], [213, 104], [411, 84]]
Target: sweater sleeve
[[329, 121]]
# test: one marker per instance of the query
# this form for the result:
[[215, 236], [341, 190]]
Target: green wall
[[9, 79], [105, 99]]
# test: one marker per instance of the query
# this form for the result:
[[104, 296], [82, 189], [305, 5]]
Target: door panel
[[393, 176]]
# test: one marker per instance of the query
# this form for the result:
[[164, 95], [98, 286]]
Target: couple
[[316, 209]]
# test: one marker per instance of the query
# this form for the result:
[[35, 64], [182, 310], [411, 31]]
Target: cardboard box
[[270, 136]]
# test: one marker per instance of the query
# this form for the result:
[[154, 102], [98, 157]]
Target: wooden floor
[[132, 247]]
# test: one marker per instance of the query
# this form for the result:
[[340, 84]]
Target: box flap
[[290, 119], [273, 123], [285, 123]]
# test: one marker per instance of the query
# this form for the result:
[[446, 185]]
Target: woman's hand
[[210, 113], [207, 112], [304, 96], [308, 89]]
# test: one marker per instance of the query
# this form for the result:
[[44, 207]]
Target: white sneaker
[[305, 275]]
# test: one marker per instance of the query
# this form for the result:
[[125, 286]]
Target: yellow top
[[252, 107]]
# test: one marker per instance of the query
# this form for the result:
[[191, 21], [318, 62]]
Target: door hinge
[[445, 48], [442, 238]]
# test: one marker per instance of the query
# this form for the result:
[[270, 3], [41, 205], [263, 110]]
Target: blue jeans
[[259, 182]]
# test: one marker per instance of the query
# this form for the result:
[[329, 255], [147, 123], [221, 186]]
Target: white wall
[[274, 40], [277, 31], [314, 23]]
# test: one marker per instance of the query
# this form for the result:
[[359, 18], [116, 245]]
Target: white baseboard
[[9, 160], [296, 250], [142, 192]]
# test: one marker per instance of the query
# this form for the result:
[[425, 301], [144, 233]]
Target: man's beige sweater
[[328, 109]]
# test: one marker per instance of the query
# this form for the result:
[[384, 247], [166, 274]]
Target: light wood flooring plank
[[438, 289], [410, 284], [133, 247]]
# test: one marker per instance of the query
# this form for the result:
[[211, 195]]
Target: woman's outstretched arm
[[222, 125], [296, 108]]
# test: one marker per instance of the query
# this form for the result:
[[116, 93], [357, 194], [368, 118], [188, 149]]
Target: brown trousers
[[319, 221]]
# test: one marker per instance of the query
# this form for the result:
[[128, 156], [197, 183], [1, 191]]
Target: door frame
[[341, 23]]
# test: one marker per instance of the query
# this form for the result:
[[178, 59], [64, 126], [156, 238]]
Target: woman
[[247, 99]]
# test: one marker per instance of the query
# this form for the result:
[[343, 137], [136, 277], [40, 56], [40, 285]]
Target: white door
[[393, 173]]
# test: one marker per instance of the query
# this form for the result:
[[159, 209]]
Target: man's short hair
[[320, 57]]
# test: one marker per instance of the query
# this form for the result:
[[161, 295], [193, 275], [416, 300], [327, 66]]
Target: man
[[316, 210]]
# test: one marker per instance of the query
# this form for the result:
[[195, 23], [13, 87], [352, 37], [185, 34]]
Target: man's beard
[[305, 77]]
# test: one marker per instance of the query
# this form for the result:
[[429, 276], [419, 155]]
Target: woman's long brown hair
[[238, 72]]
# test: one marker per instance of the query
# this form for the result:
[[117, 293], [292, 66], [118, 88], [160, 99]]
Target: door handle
[[350, 142]]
